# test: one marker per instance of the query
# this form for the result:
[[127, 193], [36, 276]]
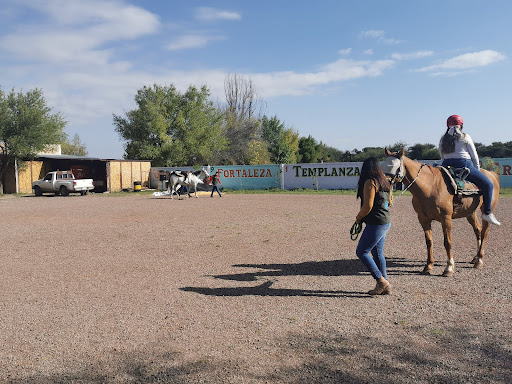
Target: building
[[108, 175]]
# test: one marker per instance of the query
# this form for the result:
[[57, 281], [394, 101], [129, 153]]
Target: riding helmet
[[454, 120]]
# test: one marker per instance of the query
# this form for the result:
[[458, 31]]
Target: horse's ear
[[402, 152]]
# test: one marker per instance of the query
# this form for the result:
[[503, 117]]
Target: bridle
[[399, 175]]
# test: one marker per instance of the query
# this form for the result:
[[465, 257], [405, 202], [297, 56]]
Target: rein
[[355, 230]]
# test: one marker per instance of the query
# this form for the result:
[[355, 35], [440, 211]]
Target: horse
[[189, 180], [432, 200]]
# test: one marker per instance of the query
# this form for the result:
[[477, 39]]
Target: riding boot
[[382, 288]]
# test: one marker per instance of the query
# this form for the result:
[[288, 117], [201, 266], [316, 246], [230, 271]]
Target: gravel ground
[[242, 289]]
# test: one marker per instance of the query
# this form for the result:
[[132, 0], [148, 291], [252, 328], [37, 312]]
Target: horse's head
[[204, 172], [393, 166]]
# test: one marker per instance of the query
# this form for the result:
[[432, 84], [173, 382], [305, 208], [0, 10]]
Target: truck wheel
[[38, 191], [64, 191], [83, 193]]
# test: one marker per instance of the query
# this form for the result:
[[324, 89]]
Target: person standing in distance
[[375, 192], [458, 150]]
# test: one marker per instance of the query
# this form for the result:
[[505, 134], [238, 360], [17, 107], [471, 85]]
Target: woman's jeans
[[372, 241], [476, 177], [215, 188]]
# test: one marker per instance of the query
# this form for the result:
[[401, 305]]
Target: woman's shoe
[[382, 288], [490, 218]]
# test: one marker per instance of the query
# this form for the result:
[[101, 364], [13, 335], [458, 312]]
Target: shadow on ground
[[413, 354], [271, 272]]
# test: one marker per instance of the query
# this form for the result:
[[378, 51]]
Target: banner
[[321, 175], [239, 177]]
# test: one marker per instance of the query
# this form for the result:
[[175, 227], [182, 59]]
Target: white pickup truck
[[62, 182]]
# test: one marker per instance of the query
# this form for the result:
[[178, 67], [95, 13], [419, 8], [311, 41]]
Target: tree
[[74, 148], [423, 152], [283, 143], [308, 150], [27, 127], [291, 140], [257, 153], [241, 112], [331, 154], [172, 128]]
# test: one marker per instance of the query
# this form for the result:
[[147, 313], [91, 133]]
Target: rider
[[458, 150]]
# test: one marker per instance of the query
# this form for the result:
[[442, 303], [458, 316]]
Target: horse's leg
[[478, 260], [170, 188], [447, 231], [472, 219], [426, 224]]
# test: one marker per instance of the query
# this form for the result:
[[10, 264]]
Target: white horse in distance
[[190, 181]]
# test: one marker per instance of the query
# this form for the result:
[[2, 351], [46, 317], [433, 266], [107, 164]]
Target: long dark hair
[[372, 170], [448, 141]]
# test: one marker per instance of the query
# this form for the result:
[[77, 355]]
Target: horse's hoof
[[479, 264], [447, 273], [426, 272]]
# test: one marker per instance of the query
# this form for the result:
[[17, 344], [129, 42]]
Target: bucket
[[137, 186]]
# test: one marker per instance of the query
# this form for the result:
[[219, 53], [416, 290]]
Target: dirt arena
[[242, 289]]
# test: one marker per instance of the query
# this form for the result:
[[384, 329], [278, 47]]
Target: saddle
[[455, 179]]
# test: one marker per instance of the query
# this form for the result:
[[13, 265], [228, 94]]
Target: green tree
[[283, 143], [27, 127], [377, 152], [423, 152], [172, 128], [490, 165], [74, 148], [308, 150], [291, 140], [257, 153]]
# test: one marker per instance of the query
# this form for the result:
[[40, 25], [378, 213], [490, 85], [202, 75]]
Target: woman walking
[[374, 190]]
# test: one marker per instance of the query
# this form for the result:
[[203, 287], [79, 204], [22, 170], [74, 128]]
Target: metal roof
[[66, 157]]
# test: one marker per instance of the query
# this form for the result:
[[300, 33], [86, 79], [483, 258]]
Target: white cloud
[[192, 41], [292, 83], [467, 61], [346, 51], [378, 35], [368, 52], [413, 55], [372, 33], [75, 31], [208, 14]]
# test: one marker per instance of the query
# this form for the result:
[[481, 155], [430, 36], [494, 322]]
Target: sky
[[350, 73]]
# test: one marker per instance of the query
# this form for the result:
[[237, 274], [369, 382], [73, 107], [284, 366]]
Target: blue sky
[[350, 73]]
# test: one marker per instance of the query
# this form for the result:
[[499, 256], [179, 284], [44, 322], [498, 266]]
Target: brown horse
[[432, 200]]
